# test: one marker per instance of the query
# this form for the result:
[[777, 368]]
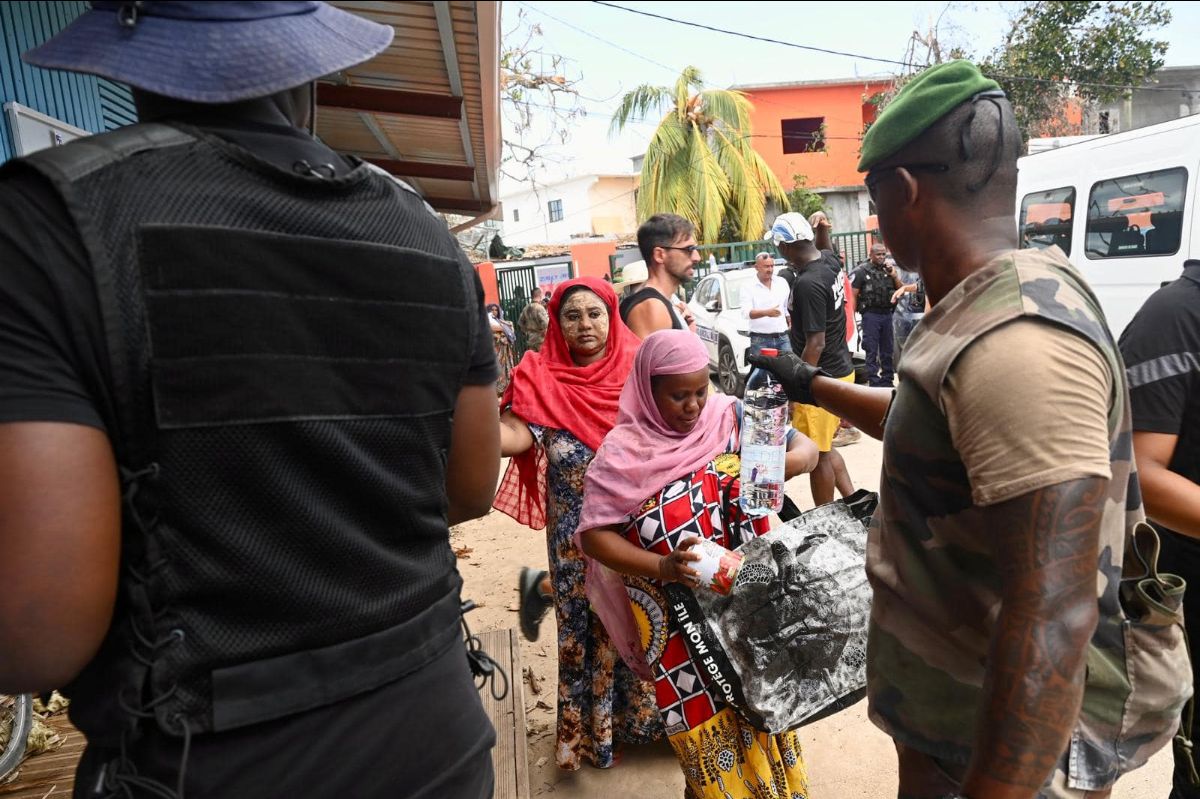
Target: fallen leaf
[[463, 552], [535, 682], [543, 705], [541, 761], [514, 608]]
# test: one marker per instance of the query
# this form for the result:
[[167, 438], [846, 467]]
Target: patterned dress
[[722, 756], [505, 359], [601, 702]]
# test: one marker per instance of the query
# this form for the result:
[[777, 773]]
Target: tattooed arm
[[1047, 548]]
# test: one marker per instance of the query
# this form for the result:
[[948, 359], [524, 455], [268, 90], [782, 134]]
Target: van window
[[1046, 219], [1136, 215]]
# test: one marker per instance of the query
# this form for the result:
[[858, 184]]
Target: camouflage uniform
[[533, 321], [936, 587]]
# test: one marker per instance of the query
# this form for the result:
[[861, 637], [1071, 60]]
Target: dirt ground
[[847, 757]]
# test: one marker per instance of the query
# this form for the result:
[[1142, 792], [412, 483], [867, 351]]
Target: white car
[[717, 306]]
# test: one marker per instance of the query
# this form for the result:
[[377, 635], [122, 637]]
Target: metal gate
[[515, 285], [853, 247]]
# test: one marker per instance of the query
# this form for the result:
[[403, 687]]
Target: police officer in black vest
[[229, 364], [874, 282]]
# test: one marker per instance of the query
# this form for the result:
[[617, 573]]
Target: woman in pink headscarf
[[665, 477]]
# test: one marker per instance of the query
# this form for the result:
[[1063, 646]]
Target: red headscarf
[[548, 389]]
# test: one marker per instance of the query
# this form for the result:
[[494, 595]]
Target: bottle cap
[[769, 352]]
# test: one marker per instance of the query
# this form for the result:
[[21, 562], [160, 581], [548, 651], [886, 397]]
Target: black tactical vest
[[285, 352], [877, 290]]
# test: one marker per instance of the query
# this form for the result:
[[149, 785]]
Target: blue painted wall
[[90, 103]]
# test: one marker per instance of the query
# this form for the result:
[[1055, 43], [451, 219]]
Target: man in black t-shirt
[[1161, 348], [221, 417], [818, 335]]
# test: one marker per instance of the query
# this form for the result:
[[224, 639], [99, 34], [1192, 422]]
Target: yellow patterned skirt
[[726, 758]]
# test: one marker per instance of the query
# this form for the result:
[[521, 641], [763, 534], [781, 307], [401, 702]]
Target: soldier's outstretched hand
[[795, 375]]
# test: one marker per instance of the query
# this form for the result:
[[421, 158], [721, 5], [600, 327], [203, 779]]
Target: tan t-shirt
[[1027, 406]]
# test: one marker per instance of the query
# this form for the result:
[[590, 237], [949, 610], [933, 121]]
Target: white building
[[582, 207]]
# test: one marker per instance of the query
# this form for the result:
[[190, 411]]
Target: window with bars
[[805, 135], [555, 209]]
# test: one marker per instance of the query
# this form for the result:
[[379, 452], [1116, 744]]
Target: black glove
[[795, 375]]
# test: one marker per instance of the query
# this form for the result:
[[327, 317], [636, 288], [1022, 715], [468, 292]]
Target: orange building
[[814, 129]]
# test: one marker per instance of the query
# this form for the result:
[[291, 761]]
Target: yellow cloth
[[817, 423], [726, 758]]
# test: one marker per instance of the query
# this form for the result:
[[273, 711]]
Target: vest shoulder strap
[[85, 156]]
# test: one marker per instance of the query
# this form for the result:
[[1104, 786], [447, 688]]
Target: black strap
[[640, 296], [707, 653]]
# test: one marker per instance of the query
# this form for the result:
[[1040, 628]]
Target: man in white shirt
[[765, 305]]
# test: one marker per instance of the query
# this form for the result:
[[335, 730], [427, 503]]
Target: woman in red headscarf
[[557, 409]]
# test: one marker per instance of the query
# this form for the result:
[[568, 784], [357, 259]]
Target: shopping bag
[[788, 644]]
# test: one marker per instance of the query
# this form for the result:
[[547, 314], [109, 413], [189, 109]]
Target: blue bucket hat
[[212, 51]]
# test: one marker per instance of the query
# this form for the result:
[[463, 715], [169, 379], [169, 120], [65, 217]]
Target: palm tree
[[699, 163]]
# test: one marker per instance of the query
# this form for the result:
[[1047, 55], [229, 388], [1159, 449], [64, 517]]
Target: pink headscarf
[[640, 456]]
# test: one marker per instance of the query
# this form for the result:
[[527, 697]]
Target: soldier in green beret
[[996, 656]]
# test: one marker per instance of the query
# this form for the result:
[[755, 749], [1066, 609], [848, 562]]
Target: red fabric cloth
[[548, 389]]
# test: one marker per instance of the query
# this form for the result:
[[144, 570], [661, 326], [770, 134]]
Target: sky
[[612, 51]]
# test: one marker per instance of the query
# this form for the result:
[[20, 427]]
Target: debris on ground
[[535, 682]]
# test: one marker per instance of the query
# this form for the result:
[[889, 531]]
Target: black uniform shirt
[[1161, 348]]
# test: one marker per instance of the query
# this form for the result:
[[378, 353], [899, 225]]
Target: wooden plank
[[509, 759], [388, 101], [517, 676], [50, 775], [424, 169]]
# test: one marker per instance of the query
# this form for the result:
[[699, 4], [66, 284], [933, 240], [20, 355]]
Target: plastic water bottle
[[764, 442]]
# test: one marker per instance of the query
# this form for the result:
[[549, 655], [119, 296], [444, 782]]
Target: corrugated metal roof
[[427, 108]]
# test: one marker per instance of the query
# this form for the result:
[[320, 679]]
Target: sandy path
[[848, 758]]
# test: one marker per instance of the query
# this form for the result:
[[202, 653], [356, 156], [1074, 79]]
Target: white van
[[1122, 207]]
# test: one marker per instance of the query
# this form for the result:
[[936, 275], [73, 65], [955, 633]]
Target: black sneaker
[[533, 604]]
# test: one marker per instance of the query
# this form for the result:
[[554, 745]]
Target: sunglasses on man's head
[[877, 176]]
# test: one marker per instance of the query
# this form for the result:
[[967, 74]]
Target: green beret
[[924, 100]]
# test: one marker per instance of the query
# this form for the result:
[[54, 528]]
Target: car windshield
[[734, 283]]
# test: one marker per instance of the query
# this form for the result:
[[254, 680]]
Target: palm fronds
[[700, 162]]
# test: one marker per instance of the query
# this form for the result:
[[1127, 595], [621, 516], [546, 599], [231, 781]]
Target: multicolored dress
[[722, 756], [601, 702], [506, 358]]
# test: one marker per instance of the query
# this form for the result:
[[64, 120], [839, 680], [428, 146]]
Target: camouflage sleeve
[[1027, 406]]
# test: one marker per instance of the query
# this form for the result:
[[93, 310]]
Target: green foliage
[[1066, 42], [803, 199], [699, 162]]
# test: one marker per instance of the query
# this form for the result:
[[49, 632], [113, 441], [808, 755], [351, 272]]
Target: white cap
[[632, 272], [788, 228]]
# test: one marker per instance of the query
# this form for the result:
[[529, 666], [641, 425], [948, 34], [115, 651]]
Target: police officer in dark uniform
[[873, 283], [229, 364]]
